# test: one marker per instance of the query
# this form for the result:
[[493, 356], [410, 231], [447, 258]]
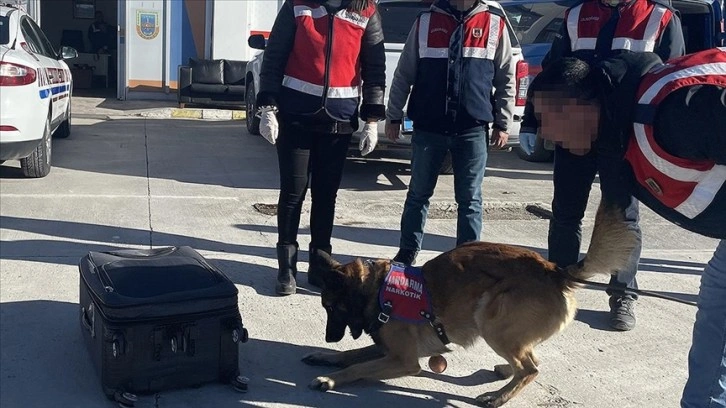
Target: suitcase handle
[[88, 323], [143, 253]]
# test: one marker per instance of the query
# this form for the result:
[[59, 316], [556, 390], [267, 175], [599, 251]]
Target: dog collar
[[403, 296]]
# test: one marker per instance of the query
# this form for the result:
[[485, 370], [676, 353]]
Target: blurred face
[[567, 121]]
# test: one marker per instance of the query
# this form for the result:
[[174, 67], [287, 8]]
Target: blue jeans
[[706, 385], [469, 159], [573, 176]]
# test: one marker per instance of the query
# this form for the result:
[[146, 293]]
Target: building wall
[[153, 63]]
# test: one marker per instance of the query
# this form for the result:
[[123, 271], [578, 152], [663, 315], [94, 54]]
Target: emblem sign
[[477, 32], [147, 24]]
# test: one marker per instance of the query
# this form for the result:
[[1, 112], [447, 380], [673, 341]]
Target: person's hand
[[527, 141], [268, 123], [499, 138], [368, 138], [393, 131]]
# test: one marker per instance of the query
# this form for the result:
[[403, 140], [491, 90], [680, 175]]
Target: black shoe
[[287, 261], [317, 265], [622, 312], [406, 256]]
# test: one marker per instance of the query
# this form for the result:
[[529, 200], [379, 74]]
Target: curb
[[200, 114]]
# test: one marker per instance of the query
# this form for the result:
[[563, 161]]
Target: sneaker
[[406, 256], [622, 312]]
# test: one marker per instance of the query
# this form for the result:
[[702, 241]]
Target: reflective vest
[[456, 65], [638, 29], [323, 69], [686, 186]]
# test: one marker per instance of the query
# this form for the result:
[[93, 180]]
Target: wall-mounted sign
[[147, 24], [84, 8]]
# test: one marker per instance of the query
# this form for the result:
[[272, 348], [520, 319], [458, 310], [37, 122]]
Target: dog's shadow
[[474, 379]]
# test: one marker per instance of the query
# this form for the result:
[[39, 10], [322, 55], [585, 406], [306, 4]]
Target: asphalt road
[[140, 183]]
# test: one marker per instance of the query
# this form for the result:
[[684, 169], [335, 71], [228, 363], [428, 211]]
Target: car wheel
[[540, 154], [64, 130], [38, 163], [253, 122], [447, 167]]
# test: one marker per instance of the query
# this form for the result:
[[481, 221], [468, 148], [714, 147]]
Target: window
[[397, 19], [50, 51], [536, 23], [4, 29], [30, 37]]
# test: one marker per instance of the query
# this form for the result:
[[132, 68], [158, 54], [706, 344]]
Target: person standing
[[593, 31], [321, 57], [457, 54], [669, 147]]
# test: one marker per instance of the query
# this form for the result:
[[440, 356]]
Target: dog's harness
[[403, 296]]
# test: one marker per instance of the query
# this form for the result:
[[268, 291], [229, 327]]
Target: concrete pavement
[[141, 182]]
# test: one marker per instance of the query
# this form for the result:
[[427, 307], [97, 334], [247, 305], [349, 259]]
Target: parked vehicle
[[536, 22], [35, 93], [397, 18]]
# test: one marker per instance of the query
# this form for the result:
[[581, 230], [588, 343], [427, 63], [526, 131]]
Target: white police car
[[35, 92]]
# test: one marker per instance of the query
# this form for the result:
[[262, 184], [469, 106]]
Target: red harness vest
[[639, 27], [686, 186], [311, 62]]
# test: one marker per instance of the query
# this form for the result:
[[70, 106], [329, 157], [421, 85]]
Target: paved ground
[[145, 182]]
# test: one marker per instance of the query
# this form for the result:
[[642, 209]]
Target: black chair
[[74, 39]]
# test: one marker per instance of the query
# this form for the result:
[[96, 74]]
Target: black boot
[[317, 265], [406, 256], [287, 261]]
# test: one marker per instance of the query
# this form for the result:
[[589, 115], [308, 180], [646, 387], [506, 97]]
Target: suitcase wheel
[[125, 399], [240, 335], [240, 383]]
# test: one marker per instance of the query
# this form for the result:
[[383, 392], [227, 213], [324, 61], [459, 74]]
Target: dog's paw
[[504, 371], [489, 400], [318, 359], [322, 384]]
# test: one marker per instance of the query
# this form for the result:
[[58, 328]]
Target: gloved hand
[[268, 123], [527, 141], [368, 138]]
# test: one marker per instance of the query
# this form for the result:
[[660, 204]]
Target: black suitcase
[[159, 319]]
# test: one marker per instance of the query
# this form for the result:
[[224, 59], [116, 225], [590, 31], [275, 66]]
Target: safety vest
[[456, 65], [686, 186], [638, 29], [323, 68]]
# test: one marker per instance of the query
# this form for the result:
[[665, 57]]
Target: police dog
[[510, 296]]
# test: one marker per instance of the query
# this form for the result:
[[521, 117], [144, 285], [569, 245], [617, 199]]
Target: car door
[[52, 76]]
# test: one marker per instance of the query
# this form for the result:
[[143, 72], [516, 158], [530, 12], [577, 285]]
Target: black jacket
[[372, 57], [671, 44], [690, 123]]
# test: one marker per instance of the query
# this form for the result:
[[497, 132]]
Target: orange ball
[[437, 364]]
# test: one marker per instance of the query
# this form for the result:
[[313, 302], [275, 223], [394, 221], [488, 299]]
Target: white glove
[[368, 138], [268, 123], [527, 141]]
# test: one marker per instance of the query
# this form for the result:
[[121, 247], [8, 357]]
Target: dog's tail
[[611, 248]]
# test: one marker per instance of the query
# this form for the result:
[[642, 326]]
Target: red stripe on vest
[[593, 17], [476, 30], [440, 29]]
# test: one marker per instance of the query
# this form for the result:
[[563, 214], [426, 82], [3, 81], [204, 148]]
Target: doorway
[[89, 26]]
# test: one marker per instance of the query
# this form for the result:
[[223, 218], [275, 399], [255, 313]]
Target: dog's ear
[[359, 270], [334, 278], [327, 260]]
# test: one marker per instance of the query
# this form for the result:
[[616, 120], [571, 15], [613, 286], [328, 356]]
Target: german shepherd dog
[[510, 296]]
